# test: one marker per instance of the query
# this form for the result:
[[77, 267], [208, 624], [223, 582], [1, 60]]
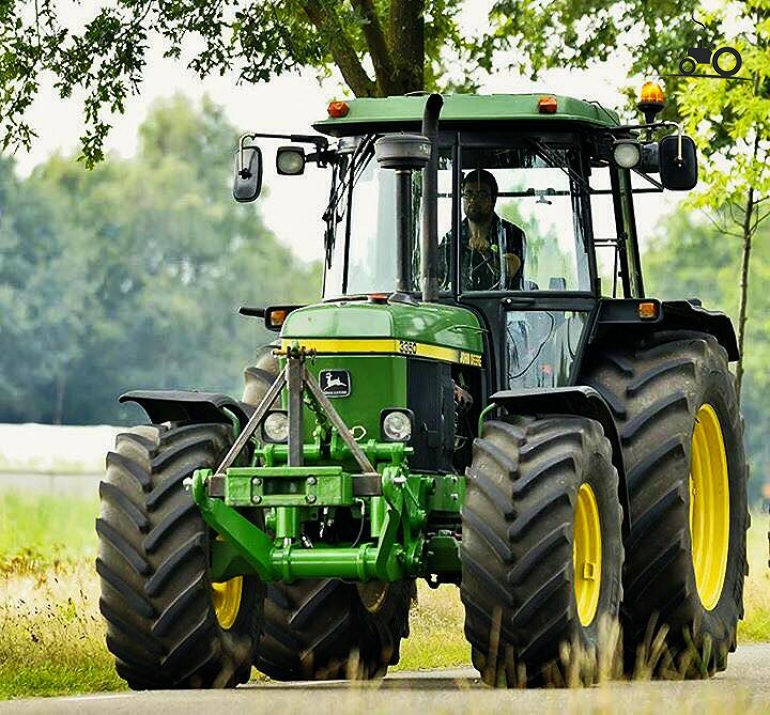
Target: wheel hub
[[227, 601], [709, 506], [587, 554], [373, 595]]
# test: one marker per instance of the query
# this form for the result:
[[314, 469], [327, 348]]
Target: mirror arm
[[242, 172], [321, 145], [655, 125], [322, 157]]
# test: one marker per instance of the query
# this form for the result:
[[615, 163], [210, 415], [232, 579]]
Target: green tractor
[[484, 398]]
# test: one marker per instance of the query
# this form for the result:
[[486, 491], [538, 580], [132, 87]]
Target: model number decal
[[470, 359]]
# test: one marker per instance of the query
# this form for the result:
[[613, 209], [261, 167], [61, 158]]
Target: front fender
[[188, 406]]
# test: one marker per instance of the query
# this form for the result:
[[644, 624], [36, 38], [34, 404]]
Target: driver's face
[[478, 202]]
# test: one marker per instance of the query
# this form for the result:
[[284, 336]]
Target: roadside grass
[[51, 632], [42, 530], [436, 638], [52, 635], [756, 590]]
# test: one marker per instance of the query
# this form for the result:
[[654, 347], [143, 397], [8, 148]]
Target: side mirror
[[247, 178], [678, 163]]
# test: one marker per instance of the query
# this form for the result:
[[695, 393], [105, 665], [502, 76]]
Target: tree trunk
[[747, 235], [382, 57], [58, 411], [406, 39]]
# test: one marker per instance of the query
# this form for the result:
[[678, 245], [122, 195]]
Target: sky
[[292, 206]]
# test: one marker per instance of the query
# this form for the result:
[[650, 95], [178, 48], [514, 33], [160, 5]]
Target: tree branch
[[341, 48], [374, 35], [719, 228]]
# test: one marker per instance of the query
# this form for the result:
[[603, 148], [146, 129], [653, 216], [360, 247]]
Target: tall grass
[[52, 635], [756, 590], [51, 632]]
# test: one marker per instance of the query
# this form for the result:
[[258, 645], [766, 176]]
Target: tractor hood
[[439, 332]]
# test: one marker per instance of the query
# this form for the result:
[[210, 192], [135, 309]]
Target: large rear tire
[[327, 629], [168, 625], [676, 408], [541, 550]]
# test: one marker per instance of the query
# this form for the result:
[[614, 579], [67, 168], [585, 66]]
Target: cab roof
[[392, 113]]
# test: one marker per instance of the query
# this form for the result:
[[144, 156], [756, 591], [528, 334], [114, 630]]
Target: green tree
[[695, 259], [730, 119], [381, 47], [141, 266], [731, 124], [43, 294]]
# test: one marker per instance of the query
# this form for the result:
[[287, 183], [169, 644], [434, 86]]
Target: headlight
[[290, 160], [275, 427], [627, 154], [397, 425]]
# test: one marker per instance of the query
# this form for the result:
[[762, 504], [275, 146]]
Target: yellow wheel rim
[[709, 506], [227, 600], [373, 595], [587, 554]]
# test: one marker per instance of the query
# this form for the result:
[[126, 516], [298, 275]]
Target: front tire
[[676, 408], [541, 549], [329, 629], [168, 625]]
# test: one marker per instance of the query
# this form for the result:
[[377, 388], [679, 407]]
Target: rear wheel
[[675, 404], [168, 625], [326, 628], [541, 551]]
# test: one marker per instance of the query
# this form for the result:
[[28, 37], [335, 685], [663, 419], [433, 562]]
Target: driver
[[491, 248]]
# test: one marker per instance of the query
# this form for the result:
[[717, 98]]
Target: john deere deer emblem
[[335, 383]]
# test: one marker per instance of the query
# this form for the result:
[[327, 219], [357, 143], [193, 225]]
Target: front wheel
[[326, 628], [542, 551], [168, 624]]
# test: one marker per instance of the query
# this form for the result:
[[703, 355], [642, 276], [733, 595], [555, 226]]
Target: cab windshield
[[510, 218]]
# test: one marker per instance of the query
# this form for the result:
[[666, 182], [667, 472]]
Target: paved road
[[743, 688]]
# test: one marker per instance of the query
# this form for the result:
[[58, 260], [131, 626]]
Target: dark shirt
[[485, 269]]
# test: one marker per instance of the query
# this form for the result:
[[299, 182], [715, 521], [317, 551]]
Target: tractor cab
[[508, 194]]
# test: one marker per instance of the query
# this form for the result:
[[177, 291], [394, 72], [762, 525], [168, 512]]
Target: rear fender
[[579, 400]]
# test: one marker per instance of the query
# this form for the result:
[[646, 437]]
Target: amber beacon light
[[651, 101]]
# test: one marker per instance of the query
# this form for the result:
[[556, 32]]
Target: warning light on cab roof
[[651, 101], [547, 105], [338, 109], [651, 94]]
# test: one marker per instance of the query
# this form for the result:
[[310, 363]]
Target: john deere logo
[[335, 383]]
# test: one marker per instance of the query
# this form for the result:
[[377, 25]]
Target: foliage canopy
[[127, 275], [380, 47]]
